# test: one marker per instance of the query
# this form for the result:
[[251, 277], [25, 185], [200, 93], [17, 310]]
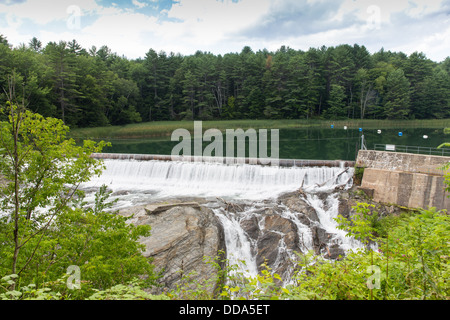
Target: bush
[[410, 261], [45, 228]]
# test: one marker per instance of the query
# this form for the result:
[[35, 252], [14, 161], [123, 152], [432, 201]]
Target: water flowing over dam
[[155, 179], [254, 189]]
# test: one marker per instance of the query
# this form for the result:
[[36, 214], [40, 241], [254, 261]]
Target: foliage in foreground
[[47, 231], [411, 261]]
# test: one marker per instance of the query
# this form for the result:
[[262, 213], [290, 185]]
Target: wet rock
[[251, 227], [120, 193], [344, 208], [323, 245], [276, 246], [335, 252], [296, 204], [181, 236]]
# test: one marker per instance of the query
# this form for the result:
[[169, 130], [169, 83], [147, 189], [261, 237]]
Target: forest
[[96, 87]]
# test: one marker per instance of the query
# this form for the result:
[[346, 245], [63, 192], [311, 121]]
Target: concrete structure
[[258, 161], [410, 180]]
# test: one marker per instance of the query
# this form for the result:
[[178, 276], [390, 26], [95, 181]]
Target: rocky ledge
[[182, 235], [186, 231]]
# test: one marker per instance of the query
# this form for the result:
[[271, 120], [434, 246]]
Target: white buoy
[[425, 137], [345, 127], [379, 131]]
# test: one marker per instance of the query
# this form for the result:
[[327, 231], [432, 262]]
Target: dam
[[224, 160], [265, 211], [404, 179], [140, 178]]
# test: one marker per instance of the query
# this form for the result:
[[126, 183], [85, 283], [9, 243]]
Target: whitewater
[[134, 182]]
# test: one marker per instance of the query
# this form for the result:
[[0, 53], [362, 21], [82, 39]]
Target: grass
[[165, 128]]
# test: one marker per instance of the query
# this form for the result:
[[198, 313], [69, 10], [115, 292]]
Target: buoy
[[379, 131], [425, 137], [345, 127], [332, 126], [360, 129], [400, 134]]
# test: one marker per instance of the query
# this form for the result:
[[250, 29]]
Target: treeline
[[96, 87]]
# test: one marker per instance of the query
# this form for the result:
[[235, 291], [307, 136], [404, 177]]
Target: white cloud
[[121, 30], [207, 22], [365, 9], [139, 4], [44, 12], [222, 26]]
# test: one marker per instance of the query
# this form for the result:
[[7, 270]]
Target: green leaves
[[397, 105], [361, 226], [132, 291], [44, 232], [93, 87]]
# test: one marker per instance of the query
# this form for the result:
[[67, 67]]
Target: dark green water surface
[[311, 144]]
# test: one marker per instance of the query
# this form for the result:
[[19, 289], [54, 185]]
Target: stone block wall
[[397, 161], [410, 180]]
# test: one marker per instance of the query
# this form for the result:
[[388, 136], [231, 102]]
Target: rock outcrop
[[182, 235], [308, 216], [277, 244], [184, 232], [275, 237], [349, 199]]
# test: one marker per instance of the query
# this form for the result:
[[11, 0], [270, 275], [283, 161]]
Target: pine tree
[[64, 74], [35, 44], [417, 69], [397, 100], [190, 85], [336, 103]]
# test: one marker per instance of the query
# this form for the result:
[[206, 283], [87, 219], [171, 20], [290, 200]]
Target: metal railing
[[413, 149]]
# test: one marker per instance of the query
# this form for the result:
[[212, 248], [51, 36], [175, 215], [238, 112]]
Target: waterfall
[[327, 211], [165, 179], [239, 245], [135, 182]]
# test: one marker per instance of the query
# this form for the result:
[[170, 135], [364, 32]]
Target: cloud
[[298, 18], [210, 20], [207, 25], [406, 25], [11, 2], [44, 12], [139, 4], [221, 26], [121, 31], [410, 26]]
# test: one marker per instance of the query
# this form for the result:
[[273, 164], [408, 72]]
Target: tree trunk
[[16, 165]]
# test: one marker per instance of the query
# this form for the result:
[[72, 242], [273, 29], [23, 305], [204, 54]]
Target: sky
[[132, 27]]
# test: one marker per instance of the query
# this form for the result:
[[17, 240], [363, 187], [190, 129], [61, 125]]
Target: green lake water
[[310, 144]]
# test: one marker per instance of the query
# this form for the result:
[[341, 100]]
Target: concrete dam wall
[[225, 160], [410, 180]]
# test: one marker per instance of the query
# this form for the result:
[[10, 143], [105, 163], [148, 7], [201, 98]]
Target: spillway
[[138, 182], [166, 179]]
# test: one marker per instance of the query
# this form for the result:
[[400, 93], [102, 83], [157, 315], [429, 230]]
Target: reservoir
[[308, 144]]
